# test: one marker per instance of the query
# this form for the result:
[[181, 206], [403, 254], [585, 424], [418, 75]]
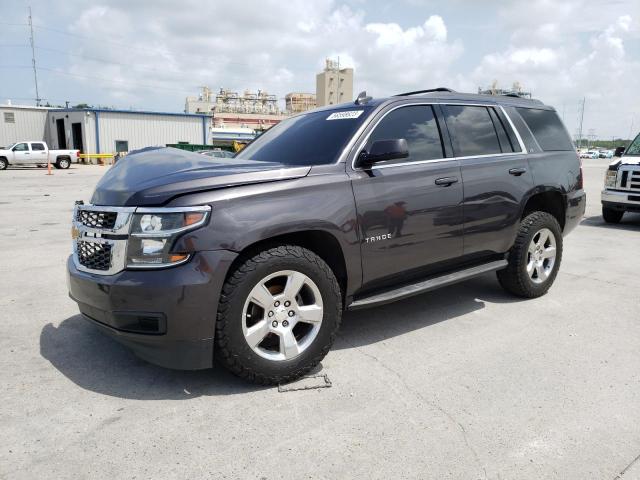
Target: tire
[[3, 164], [612, 216], [241, 318], [531, 270], [63, 163]]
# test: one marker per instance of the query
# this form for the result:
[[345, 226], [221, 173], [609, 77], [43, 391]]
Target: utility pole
[[630, 129], [581, 121], [33, 59]]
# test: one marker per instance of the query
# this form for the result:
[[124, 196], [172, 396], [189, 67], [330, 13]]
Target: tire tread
[[512, 278], [229, 295]]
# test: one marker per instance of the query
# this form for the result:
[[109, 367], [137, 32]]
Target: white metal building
[[101, 131], [21, 123], [109, 131]]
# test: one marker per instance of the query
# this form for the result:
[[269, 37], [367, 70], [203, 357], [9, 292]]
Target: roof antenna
[[362, 98]]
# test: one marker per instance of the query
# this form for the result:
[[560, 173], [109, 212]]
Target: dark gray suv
[[252, 259]]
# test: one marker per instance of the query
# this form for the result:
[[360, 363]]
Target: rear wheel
[[278, 315], [612, 216], [63, 163], [3, 164], [535, 257]]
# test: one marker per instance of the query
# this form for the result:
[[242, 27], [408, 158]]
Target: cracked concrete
[[462, 383]]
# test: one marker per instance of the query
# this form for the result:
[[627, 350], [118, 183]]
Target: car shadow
[[36, 167], [99, 364], [630, 221], [96, 362], [364, 327]]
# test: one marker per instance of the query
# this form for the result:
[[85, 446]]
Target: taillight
[[580, 183]]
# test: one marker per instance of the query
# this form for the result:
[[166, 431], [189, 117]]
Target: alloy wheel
[[541, 256], [282, 315]]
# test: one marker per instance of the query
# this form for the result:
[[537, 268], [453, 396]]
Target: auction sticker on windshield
[[345, 115]]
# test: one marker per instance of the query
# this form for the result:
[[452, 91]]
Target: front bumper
[[166, 317], [621, 201], [576, 205]]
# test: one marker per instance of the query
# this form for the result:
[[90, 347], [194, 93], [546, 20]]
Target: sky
[[151, 54]]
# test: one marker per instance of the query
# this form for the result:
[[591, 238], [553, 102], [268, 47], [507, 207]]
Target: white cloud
[[152, 54], [562, 73]]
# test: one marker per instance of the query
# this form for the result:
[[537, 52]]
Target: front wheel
[[535, 257], [63, 163], [278, 315], [612, 216]]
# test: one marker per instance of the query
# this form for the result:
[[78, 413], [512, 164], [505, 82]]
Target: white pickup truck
[[622, 184], [36, 153]]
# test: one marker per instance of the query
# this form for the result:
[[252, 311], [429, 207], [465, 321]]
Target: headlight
[[154, 231], [610, 179]]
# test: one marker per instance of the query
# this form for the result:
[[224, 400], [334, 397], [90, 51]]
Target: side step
[[426, 285]]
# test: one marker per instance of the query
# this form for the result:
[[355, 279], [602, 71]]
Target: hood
[[153, 177], [630, 160]]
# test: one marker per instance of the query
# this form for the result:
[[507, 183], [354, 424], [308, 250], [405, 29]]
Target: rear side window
[[503, 138], [472, 130], [547, 129], [417, 125], [37, 146]]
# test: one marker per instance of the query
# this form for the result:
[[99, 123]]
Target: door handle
[[517, 171], [446, 181]]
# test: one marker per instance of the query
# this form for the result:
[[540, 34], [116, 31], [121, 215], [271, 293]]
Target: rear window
[[547, 129], [37, 146], [315, 138]]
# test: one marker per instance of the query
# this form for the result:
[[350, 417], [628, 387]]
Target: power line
[[156, 51]]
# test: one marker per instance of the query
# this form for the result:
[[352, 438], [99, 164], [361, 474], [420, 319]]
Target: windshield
[[315, 138], [9, 147], [634, 148]]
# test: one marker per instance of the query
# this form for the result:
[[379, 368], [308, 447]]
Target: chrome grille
[[634, 180], [97, 219], [101, 234], [95, 256]]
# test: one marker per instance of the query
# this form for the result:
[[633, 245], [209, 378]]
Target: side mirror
[[382, 150], [619, 151]]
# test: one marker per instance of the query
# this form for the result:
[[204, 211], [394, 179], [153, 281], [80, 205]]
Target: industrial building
[[516, 90], [334, 85], [256, 110], [96, 130], [297, 102]]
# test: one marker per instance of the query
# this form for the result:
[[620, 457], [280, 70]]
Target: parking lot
[[462, 383]]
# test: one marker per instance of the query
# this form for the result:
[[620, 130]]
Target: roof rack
[[429, 90]]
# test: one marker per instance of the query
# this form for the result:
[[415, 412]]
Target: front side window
[[634, 148], [37, 147], [417, 125], [547, 129], [315, 138], [472, 131], [21, 147]]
